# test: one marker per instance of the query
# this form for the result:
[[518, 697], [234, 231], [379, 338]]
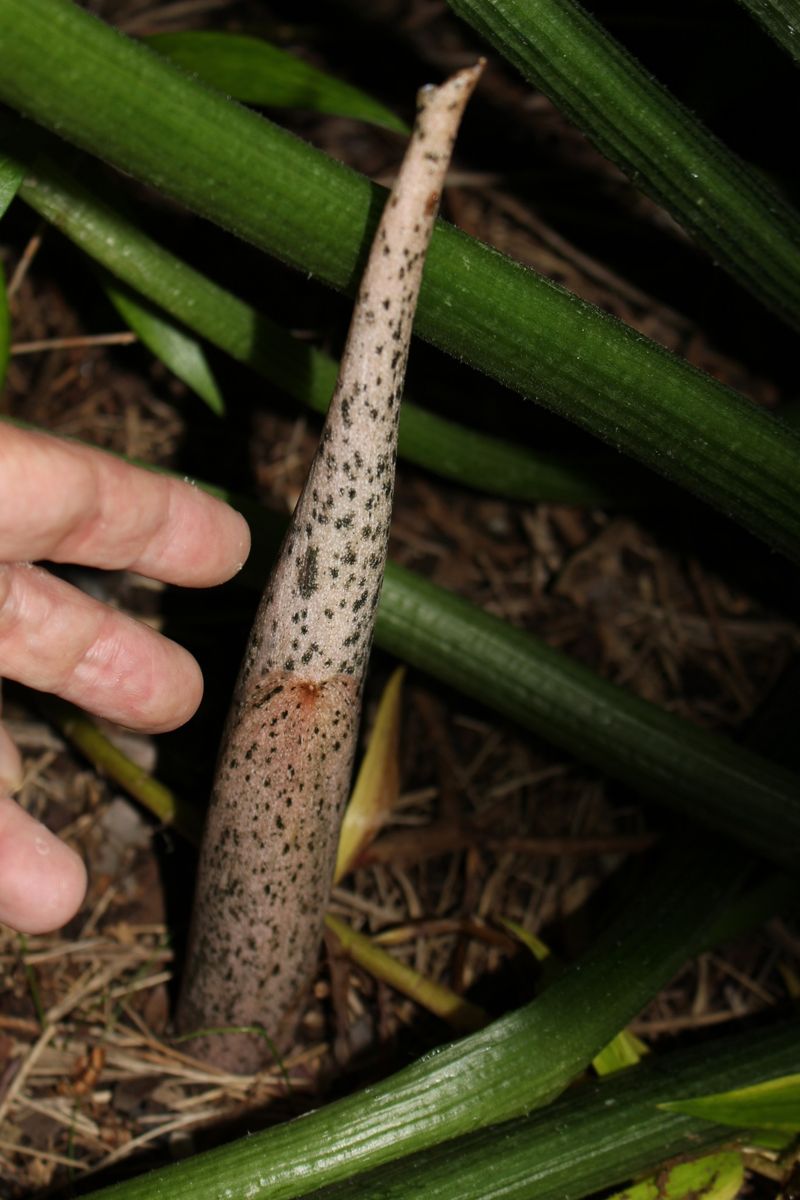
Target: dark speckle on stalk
[[287, 751]]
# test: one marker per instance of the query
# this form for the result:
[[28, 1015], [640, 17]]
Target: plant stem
[[164, 804], [460, 1014], [283, 774]]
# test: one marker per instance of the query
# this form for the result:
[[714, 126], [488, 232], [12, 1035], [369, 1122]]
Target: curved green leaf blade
[[170, 343], [478, 1081], [781, 19], [256, 72], [772, 1105], [789, 414], [625, 1050], [309, 375], [730, 210], [66, 69], [595, 1137], [712, 780], [11, 173]]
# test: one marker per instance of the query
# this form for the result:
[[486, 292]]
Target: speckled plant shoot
[[285, 762]]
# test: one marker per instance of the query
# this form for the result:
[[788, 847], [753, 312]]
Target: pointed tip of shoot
[[453, 94]]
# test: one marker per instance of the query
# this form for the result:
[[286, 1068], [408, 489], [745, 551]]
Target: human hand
[[69, 503]]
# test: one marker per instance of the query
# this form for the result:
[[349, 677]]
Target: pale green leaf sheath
[[284, 769]]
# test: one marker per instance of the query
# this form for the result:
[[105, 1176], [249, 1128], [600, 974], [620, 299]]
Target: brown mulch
[[491, 824]]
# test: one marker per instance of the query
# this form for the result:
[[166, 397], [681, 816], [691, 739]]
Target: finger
[[42, 881], [56, 639], [70, 503]]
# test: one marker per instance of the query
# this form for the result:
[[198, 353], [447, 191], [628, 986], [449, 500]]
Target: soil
[[491, 824]]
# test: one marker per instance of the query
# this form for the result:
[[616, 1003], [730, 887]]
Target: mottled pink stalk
[[283, 775]]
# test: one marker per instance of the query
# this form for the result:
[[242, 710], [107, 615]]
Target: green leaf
[[715, 1177], [11, 174], [781, 19], [514, 1065], [304, 372], [256, 72], [729, 209], [626, 1050], [169, 342], [597, 1136], [771, 1105], [65, 69], [713, 781]]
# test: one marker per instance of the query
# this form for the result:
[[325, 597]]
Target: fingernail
[[42, 880]]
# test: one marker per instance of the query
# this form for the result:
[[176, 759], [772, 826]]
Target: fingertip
[[203, 541], [180, 699], [42, 880], [136, 678], [242, 539], [231, 545], [162, 698]]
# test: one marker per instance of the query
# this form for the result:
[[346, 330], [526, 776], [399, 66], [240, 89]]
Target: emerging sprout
[[284, 768]]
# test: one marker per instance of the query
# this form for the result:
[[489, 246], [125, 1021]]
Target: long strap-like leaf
[[75, 204], [256, 72], [514, 1065], [781, 19], [743, 223], [662, 756], [69, 71], [595, 1138]]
